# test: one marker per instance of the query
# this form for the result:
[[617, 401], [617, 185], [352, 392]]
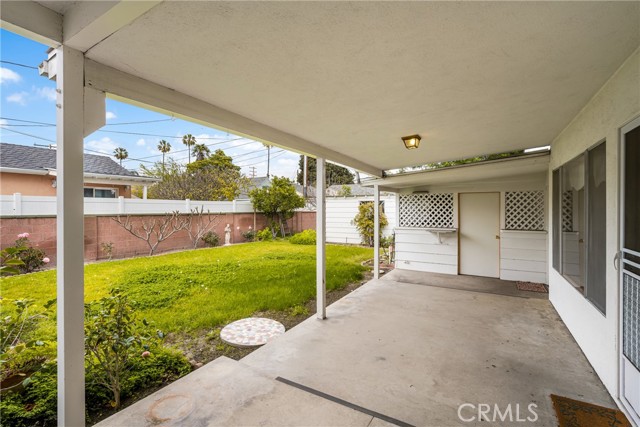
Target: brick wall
[[101, 229]]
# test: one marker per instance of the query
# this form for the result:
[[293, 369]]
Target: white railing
[[19, 205]]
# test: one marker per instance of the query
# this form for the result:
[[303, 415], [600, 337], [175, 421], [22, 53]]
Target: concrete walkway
[[392, 353]]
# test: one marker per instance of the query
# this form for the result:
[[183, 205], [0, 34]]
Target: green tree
[[164, 147], [335, 174], [120, 154], [201, 151], [278, 201], [364, 222], [189, 140], [214, 178]]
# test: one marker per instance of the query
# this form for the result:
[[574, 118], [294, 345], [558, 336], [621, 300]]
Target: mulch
[[532, 287]]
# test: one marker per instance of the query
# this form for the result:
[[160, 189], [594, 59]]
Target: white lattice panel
[[567, 211], [524, 210], [426, 210]]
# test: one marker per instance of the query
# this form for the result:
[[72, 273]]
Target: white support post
[[17, 203], [376, 232], [321, 238], [144, 192], [70, 228], [187, 205], [120, 204]]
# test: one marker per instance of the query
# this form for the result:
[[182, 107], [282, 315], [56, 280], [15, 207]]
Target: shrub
[[307, 237], [364, 222], [107, 248], [113, 338], [9, 261], [211, 239], [32, 258], [249, 235], [264, 235]]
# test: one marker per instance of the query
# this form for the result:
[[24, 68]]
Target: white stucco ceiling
[[470, 77]]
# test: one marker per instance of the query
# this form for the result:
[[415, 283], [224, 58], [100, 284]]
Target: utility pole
[[253, 171]]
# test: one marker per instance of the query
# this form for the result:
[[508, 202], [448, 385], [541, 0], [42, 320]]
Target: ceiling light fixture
[[412, 141]]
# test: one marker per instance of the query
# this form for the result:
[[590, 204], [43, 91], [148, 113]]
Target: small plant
[[386, 243], [299, 310], [32, 258], [211, 239], [307, 237], [249, 235], [364, 222], [264, 235], [113, 339], [10, 263], [107, 249]]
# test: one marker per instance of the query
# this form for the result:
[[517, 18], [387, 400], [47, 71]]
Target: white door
[[630, 271], [479, 223]]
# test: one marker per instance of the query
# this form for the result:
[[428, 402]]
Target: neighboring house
[[31, 171], [264, 181], [341, 210]]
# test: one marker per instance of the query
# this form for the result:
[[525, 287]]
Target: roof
[[34, 158], [264, 181], [356, 190]]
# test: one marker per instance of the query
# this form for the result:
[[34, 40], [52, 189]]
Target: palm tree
[[201, 151], [164, 148], [120, 154], [189, 140]]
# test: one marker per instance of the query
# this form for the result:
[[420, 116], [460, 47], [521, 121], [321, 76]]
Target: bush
[[364, 222], [307, 237], [113, 338], [264, 235], [249, 235], [32, 258], [211, 239], [36, 405]]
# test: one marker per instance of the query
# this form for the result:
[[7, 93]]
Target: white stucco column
[[321, 238], [144, 192], [376, 232], [70, 229]]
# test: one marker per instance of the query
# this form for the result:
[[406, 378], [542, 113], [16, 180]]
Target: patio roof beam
[[87, 23], [134, 90], [32, 20]]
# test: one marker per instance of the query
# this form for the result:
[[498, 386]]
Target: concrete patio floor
[[392, 352]]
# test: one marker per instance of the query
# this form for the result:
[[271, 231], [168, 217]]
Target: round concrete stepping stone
[[251, 332]]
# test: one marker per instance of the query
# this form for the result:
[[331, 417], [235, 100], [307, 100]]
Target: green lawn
[[192, 290]]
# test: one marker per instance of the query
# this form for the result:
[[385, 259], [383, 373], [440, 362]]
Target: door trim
[[626, 405]]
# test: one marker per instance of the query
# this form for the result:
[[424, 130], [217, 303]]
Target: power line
[[140, 122], [27, 121], [19, 65], [28, 134]]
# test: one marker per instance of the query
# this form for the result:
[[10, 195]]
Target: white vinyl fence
[[342, 210], [45, 206]]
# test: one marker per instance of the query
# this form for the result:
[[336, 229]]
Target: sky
[[27, 97]]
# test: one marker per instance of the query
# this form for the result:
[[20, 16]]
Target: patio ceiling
[[352, 78]]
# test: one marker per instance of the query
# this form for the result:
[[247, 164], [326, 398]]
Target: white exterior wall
[[342, 210], [523, 254], [617, 103]]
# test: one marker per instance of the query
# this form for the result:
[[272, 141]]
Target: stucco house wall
[[40, 185], [614, 105]]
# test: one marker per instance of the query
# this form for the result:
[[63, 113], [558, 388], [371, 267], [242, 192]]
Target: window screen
[[596, 289]]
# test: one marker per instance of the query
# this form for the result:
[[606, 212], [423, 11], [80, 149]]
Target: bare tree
[[156, 230], [203, 222]]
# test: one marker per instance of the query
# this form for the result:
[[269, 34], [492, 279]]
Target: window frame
[[557, 229], [93, 192]]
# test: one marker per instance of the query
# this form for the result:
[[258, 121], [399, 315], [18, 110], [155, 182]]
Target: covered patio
[[344, 82], [407, 349]]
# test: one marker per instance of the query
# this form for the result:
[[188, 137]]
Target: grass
[[193, 290]]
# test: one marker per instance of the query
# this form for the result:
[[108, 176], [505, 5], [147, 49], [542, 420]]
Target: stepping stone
[[251, 332]]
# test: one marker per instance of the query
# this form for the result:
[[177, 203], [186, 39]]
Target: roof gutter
[[24, 171], [106, 177]]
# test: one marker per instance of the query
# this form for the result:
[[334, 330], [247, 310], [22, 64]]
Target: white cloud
[[2, 122], [45, 92], [141, 142], [288, 162], [104, 145], [18, 98], [9, 76], [110, 115]]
